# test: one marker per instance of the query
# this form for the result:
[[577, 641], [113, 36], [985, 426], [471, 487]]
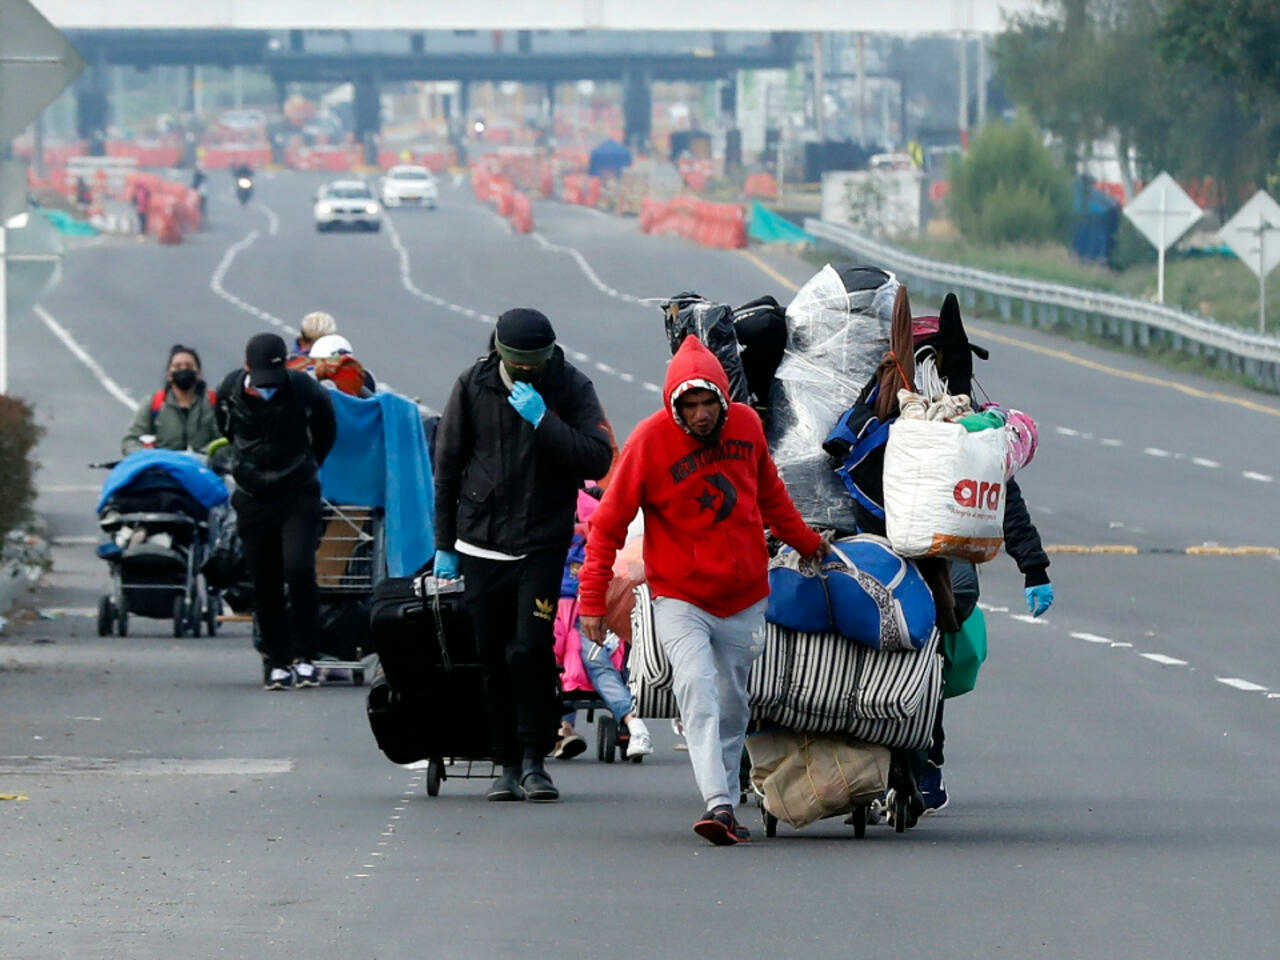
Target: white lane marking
[[74, 541], [652, 387], [990, 609], [1109, 442], [1260, 477], [1091, 638], [148, 767], [587, 270], [1163, 659], [626, 378], [273, 222], [1204, 462], [1028, 618], [1122, 644], [220, 273], [1247, 686], [406, 281], [68, 488], [81, 354], [1067, 432], [1273, 696], [1155, 452]]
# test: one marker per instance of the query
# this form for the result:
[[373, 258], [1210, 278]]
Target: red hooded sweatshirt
[[705, 505]]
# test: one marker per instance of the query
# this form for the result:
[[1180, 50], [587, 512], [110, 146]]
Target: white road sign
[[1163, 212], [1253, 234], [36, 64]]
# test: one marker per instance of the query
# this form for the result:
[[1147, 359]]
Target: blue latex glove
[[446, 565], [1039, 598], [528, 402]]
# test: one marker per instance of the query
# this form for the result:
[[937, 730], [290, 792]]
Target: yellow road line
[[1068, 357], [1129, 550]]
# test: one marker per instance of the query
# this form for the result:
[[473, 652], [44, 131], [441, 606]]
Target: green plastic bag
[[962, 655]]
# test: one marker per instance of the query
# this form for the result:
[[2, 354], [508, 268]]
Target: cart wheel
[[105, 616], [859, 820], [600, 740], [212, 607], [608, 734], [122, 620], [900, 812], [179, 616], [196, 621], [434, 772], [357, 678], [770, 824]]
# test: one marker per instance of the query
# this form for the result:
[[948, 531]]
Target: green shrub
[[19, 434], [1009, 188]]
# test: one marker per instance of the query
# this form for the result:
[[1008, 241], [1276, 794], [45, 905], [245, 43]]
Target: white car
[[408, 186], [347, 204]]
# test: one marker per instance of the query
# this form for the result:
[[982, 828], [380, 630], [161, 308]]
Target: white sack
[[944, 490]]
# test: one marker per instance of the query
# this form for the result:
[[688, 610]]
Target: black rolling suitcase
[[426, 701]]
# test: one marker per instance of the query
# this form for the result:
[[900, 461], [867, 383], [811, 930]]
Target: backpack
[[157, 401]]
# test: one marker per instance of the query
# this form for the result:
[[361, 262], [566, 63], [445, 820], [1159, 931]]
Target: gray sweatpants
[[711, 658]]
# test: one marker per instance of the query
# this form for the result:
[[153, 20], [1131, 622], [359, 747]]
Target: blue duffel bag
[[863, 591]]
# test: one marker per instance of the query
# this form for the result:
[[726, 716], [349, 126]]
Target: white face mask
[[267, 392]]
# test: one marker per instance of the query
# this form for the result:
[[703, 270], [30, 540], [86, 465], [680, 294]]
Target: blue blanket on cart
[[205, 486], [380, 459]]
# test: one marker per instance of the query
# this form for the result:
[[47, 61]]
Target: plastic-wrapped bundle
[[839, 330], [712, 323]]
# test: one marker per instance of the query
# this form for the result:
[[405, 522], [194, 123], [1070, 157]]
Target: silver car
[[347, 204]]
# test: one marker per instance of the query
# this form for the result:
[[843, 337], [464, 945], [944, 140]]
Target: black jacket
[[279, 444], [500, 483]]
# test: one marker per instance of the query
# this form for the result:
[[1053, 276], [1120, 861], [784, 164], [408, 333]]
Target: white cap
[[318, 324], [330, 346]]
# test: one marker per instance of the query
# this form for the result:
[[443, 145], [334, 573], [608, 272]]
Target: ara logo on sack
[[978, 494]]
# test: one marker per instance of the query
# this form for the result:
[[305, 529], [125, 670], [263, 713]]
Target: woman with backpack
[[178, 416]]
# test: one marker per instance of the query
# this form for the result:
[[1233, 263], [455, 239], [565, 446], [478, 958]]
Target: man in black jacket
[[521, 431], [281, 426]]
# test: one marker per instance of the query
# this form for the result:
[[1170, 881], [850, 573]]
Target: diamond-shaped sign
[[1253, 234], [1163, 212], [36, 64]]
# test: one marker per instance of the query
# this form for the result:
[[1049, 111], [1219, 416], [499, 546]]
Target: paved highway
[[1113, 778]]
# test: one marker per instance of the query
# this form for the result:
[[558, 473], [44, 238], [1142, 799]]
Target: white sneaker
[[641, 744], [306, 674], [280, 678]]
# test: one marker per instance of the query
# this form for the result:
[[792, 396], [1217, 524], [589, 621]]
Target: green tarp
[[767, 227], [66, 224]]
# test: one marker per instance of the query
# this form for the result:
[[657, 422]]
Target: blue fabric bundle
[[380, 459], [205, 486]]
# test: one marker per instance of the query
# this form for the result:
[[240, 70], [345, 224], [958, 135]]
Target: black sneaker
[[721, 827], [538, 787], [506, 787], [280, 678], [305, 674]]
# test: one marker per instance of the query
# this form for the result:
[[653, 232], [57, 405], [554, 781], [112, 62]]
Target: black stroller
[[156, 535]]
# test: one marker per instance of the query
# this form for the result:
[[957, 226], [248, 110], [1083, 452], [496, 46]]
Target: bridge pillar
[[91, 105], [368, 115], [637, 109]]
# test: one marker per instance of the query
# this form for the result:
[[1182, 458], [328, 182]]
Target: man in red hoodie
[[701, 472]]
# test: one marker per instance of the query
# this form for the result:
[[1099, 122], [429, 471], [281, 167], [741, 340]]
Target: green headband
[[524, 358]]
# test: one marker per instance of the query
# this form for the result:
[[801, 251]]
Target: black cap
[[525, 329], [265, 354]]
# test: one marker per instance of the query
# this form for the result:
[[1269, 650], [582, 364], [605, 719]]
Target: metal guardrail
[[1134, 323]]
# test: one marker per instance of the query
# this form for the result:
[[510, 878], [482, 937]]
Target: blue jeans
[[608, 681]]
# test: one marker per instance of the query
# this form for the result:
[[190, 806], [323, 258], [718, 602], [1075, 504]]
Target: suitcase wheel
[[858, 819], [770, 824], [435, 773]]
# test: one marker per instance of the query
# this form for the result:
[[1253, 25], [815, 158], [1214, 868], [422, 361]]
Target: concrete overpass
[[867, 16]]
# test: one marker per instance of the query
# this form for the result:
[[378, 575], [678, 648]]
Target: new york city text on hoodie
[[705, 504]]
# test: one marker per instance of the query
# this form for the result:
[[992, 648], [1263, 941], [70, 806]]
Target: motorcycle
[[244, 189]]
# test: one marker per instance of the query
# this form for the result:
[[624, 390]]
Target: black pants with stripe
[[513, 604]]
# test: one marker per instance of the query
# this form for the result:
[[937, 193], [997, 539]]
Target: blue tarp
[[205, 486], [609, 158], [380, 459], [1097, 217], [765, 226]]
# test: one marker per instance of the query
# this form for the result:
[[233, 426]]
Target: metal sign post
[[1246, 235], [1162, 213], [4, 313]]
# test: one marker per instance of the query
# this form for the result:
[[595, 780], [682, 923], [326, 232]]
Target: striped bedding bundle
[[816, 682]]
